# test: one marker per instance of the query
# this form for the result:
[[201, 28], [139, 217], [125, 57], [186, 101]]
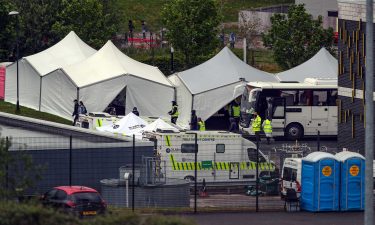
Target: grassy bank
[[7, 107]]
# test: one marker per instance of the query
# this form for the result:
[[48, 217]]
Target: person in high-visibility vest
[[201, 125], [256, 125], [174, 112], [235, 112], [267, 128]]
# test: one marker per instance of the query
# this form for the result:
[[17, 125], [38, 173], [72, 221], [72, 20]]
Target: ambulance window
[[188, 148], [252, 154], [289, 174], [220, 148]]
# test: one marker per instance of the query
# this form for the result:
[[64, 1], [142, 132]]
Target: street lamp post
[[15, 13], [172, 66]]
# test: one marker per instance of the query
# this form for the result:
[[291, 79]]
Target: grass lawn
[[150, 10], [7, 107], [263, 60]]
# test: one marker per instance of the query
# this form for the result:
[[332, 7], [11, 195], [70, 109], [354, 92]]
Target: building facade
[[325, 8], [351, 75]]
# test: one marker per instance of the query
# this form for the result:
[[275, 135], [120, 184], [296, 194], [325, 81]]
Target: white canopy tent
[[100, 78], [160, 124], [128, 125], [209, 87], [32, 69], [321, 65]]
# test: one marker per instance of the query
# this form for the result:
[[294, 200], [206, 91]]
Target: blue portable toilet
[[352, 182], [320, 179]]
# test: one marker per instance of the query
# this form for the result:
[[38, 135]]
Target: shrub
[[12, 213]]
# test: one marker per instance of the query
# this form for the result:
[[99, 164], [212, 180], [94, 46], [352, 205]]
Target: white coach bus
[[296, 109]]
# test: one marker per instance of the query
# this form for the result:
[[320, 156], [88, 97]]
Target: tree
[[17, 171], [296, 37], [249, 28], [192, 27], [44, 23], [7, 34], [92, 21], [35, 21]]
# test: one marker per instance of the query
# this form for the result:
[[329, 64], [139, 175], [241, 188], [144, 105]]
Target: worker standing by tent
[[201, 124], [235, 111], [75, 113], [256, 125], [174, 112], [267, 128], [193, 120]]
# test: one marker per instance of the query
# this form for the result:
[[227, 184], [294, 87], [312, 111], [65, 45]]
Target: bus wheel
[[189, 178], [294, 131]]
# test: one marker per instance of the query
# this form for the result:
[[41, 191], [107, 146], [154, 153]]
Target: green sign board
[[207, 164]]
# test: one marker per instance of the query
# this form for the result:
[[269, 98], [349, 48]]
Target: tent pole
[[78, 93], [126, 90], [40, 93]]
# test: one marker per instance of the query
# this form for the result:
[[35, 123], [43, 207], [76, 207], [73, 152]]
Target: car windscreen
[[86, 197]]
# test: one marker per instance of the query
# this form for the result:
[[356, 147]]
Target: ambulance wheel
[[189, 178], [294, 131]]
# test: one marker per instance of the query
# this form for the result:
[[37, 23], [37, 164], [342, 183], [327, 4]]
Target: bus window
[[304, 97], [278, 108], [290, 97], [319, 98], [332, 97]]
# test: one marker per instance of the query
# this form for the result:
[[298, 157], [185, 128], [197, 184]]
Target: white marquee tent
[[209, 87], [100, 78], [32, 69], [321, 65]]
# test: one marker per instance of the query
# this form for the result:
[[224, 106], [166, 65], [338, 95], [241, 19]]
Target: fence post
[[195, 172], [6, 165], [70, 159], [318, 141], [195, 169], [257, 176], [133, 173]]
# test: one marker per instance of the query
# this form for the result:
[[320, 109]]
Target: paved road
[[278, 218]]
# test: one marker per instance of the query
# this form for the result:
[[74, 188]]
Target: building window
[[333, 13]]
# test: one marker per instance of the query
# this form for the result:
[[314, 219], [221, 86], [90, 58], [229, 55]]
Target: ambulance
[[291, 176], [95, 119], [222, 156]]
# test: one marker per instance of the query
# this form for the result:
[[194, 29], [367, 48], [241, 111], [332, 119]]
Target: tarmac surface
[[278, 218]]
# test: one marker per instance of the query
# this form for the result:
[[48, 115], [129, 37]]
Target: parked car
[[78, 200]]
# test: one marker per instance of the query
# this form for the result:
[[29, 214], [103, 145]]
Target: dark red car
[[78, 200]]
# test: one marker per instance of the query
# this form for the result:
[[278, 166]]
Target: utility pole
[[369, 114]]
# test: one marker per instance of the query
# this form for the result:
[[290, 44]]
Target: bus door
[[332, 114], [319, 112], [278, 118]]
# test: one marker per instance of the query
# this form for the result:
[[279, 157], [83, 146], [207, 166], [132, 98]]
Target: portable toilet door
[[352, 184], [320, 178]]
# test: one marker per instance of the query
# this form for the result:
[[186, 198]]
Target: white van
[[291, 175], [222, 156]]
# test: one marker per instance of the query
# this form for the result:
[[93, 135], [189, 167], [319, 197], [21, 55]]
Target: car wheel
[[294, 131], [189, 178]]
